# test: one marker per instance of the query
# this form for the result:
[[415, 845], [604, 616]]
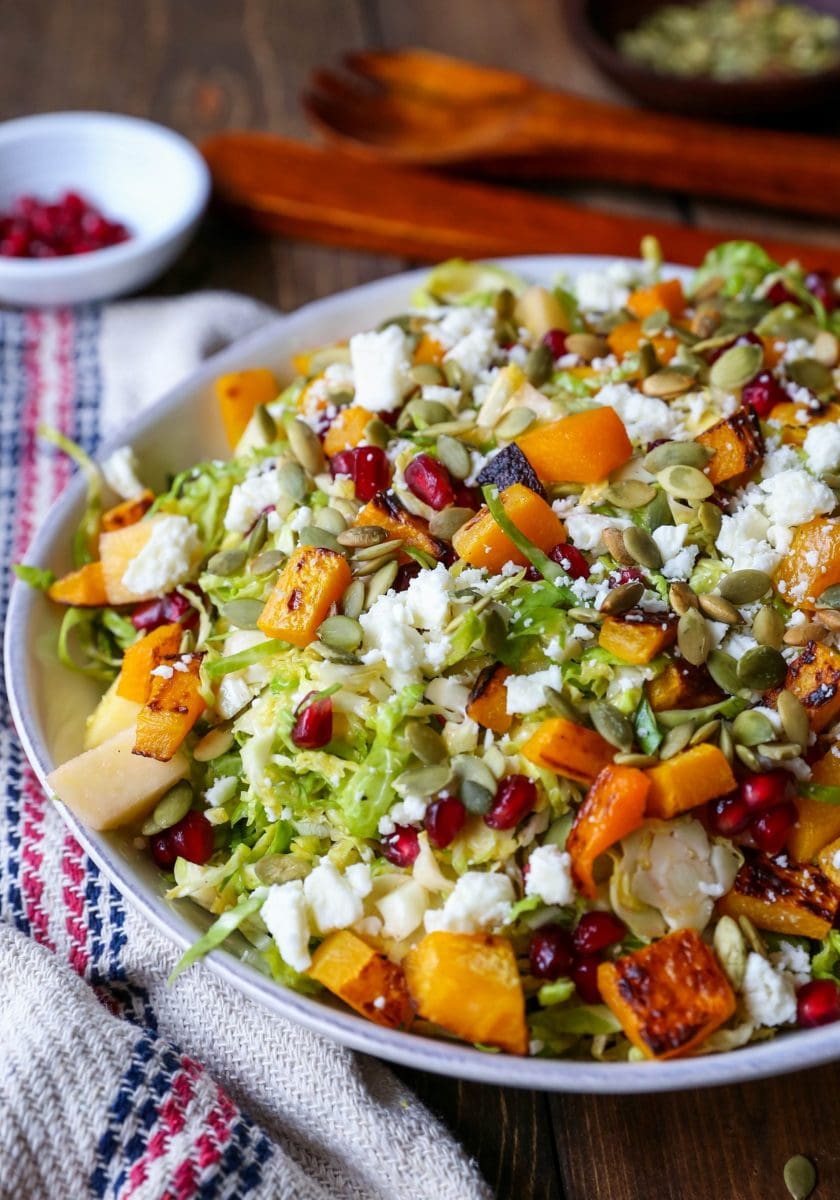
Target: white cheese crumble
[[335, 900], [644, 417], [167, 559], [222, 790], [677, 558], [822, 448], [527, 693], [480, 900], [380, 367], [120, 471], [769, 995], [549, 875], [251, 497], [603, 291], [794, 497], [405, 630], [286, 919], [586, 529]]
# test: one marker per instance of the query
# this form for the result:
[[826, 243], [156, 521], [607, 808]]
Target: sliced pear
[[112, 714], [109, 786]]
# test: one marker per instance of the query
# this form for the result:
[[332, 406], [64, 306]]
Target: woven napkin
[[111, 1083]]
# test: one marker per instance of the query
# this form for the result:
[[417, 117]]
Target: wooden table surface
[[204, 65]]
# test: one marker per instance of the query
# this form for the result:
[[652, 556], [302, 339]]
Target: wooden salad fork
[[415, 107]]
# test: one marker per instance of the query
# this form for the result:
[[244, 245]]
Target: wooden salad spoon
[[415, 107]]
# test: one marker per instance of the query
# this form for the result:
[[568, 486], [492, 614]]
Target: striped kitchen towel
[[112, 1084]]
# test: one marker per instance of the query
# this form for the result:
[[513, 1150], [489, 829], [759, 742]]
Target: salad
[[492, 684]]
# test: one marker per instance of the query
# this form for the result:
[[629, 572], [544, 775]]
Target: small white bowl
[[144, 175]]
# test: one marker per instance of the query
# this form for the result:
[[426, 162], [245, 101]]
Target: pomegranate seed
[[404, 576], [555, 339], [760, 792], [728, 815], [770, 829], [444, 820], [430, 482], [743, 339], [595, 931], [625, 575], [402, 846], [585, 977], [162, 850], [367, 466], [192, 838], [551, 952], [466, 496], [164, 610], [821, 285], [763, 393], [818, 1003], [313, 727], [779, 294], [35, 229], [570, 559], [516, 796]]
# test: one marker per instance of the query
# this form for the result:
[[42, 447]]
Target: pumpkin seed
[[426, 374], [762, 668], [454, 455], [768, 627], [257, 536], [675, 740], [424, 781], [800, 1177], [504, 303], [244, 614], [468, 766], [494, 636], [266, 424], [642, 548], [675, 454], [656, 322], [681, 598], [614, 541], [719, 609], [368, 567], [748, 757], [794, 718], [801, 635], [280, 868], [331, 520], [724, 671], [710, 518], [706, 733], [706, 319], [360, 537], [630, 493], [169, 810], [694, 637], [622, 598], [475, 798], [830, 598], [635, 760], [649, 364], [227, 562], [425, 742], [779, 751], [726, 742], [826, 348], [745, 587], [753, 938], [423, 413], [311, 535], [291, 479], [731, 950], [657, 513], [514, 423], [710, 287], [377, 433], [735, 367], [353, 601], [305, 446], [380, 582], [751, 728], [685, 483], [612, 725], [809, 373], [539, 365], [586, 346], [446, 523], [376, 549], [266, 562], [214, 744], [830, 618], [667, 383], [586, 616], [341, 633]]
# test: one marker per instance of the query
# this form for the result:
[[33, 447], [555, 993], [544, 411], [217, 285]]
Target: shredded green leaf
[[87, 533], [221, 929], [36, 577]]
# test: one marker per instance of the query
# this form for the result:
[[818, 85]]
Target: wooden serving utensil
[[326, 196], [414, 107]]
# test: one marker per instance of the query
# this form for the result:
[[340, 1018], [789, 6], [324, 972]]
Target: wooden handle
[[326, 196]]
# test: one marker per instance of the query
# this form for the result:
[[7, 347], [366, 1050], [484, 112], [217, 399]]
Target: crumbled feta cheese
[[251, 497], [332, 900], [549, 875], [795, 959], [120, 471], [751, 542], [645, 418], [222, 790], [405, 630], [769, 995], [480, 900], [794, 497], [380, 367], [163, 671], [677, 558], [604, 291], [527, 693], [822, 448], [286, 919], [167, 559], [586, 529]]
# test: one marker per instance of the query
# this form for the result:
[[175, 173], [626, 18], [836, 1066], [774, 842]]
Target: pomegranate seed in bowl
[[728, 816], [555, 339], [402, 846], [35, 228], [444, 820], [516, 796], [585, 977], [430, 482], [818, 1003], [597, 930], [192, 838], [770, 829], [313, 727], [551, 952], [763, 393], [765, 791]]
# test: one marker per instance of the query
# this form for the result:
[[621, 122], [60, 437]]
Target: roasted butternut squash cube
[[737, 444], [569, 749], [797, 419], [668, 996], [128, 512], [312, 581], [814, 678], [239, 394], [613, 807], [688, 780], [386, 511], [581, 448], [363, 978], [84, 588], [347, 430], [428, 351], [636, 636], [817, 823], [173, 706], [828, 861], [482, 543], [469, 984], [682, 685], [812, 564], [488, 699], [627, 337], [135, 677], [797, 899], [667, 294]]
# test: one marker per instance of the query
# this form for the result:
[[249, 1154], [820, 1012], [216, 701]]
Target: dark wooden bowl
[[596, 24]]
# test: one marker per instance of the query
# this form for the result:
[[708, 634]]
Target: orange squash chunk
[[737, 444], [312, 581], [772, 352], [668, 294], [637, 637], [386, 511], [429, 351], [135, 678], [469, 984], [817, 823], [687, 780], [814, 678], [129, 512], [628, 337], [682, 685], [795, 431], [239, 394], [84, 588], [812, 564], [569, 749], [827, 859], [668, 996], [482, 543], [796, 899], [347, 430], [581, 448], [172, 708], [363, 978], [488, 699], [613, 807]]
